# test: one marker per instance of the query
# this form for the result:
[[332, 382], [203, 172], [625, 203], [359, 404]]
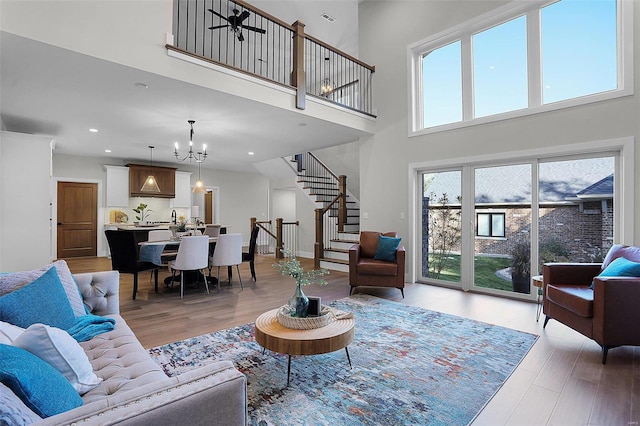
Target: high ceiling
[[46, 90]]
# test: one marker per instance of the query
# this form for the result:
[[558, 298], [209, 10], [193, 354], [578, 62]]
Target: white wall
[[25, 181], [343, 160], [385, 157]]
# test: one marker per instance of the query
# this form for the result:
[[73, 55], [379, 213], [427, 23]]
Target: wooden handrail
[[371, 68], [324, 166], [278, 236]]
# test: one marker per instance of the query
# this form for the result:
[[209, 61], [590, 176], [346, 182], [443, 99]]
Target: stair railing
[[272, 50], [327, 227], [285, 237]]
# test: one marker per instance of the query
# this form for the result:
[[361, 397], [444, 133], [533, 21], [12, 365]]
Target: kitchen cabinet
[[183, 191], [117, 186], [165, 177]]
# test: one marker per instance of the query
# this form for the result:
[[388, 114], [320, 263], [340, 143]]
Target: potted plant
[[142, 212], [521, 268], [299, 302]]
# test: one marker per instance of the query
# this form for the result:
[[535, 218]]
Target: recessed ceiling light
[[93, 130], [107, 151], [250, 153], [142, 85]]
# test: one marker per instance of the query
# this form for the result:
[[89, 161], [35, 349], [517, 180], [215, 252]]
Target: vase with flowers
[[299, 302]]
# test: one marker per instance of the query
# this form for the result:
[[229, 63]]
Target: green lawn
[[485, 271]]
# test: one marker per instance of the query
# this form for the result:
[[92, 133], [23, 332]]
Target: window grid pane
[[500, 68], [579, 49], [442, 85]]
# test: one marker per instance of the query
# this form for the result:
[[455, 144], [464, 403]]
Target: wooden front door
[[77, 219], [208, 203]]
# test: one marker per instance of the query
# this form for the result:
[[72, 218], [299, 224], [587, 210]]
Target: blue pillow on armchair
[[387, 247], [43, 301], [620, 267]]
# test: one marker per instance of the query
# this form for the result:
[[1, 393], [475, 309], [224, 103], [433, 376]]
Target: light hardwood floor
[[560, 382]]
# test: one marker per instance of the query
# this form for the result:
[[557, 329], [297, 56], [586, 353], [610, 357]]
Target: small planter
[[521, 283]]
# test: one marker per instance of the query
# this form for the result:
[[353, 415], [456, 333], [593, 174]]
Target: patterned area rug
[[411, 366]]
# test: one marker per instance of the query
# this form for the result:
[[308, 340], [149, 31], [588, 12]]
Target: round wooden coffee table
[[271, 335]]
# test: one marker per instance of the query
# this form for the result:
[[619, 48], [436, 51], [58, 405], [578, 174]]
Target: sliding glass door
[[441, 226], [502, 240], [489, 228]]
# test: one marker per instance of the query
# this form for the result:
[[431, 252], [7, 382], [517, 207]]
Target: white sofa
[[134, 389]]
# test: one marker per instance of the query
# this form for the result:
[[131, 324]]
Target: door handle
[[59, 223]]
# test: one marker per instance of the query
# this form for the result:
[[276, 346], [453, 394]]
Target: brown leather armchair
[[609, 313], [364, 270]]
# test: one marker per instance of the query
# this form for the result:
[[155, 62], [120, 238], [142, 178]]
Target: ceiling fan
[[235, 23]]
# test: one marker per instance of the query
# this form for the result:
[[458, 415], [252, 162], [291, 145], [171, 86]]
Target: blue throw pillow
[[43, 301], [621, 267], [387, 247], [40, 386]]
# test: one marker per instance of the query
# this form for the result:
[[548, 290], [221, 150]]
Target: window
[[500, 75], [579, 54], [442, 81], [522, 58], [490, 225]]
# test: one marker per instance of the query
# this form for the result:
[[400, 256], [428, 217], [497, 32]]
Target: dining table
[[151, 251]]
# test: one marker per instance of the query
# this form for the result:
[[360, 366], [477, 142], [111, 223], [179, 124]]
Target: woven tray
[[286, 320]]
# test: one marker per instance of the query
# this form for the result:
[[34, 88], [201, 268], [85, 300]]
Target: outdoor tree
[[444, 232]]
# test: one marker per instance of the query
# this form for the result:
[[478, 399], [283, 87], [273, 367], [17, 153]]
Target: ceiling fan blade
[[244, 15], [218, 26], [217, 14], [258, 30]]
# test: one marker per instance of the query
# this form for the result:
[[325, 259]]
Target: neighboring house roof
[[559, 181], [601, 189]]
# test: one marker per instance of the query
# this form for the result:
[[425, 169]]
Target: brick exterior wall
[[585, 234]]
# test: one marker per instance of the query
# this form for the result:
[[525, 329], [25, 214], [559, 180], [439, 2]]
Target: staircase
[[322, 187]]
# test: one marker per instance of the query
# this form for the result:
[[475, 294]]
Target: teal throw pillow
[[40, 386], [621, 267], [387, 247], [43, 301]]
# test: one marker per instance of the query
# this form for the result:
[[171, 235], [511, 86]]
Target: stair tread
[[340, 261], [337, 250], [340, 240]]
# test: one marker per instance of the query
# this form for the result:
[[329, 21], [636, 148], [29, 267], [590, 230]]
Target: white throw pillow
[[9, 332], [62, 352]]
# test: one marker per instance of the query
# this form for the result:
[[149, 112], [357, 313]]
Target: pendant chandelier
[[150, 183], [198, 156], [327, 85], [199, 187]]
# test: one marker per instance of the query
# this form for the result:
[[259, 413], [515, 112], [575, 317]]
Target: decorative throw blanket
[[88, 326]]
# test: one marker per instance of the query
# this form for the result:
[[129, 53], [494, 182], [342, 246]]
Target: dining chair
[[193, 255], [251, 254], [124, 256], [212, 230], [228, 252]]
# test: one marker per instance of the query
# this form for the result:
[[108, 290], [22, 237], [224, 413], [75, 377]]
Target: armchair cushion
[[386, 249], [577, 299], [376, 267]]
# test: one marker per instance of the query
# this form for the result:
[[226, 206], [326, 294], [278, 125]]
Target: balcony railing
[[234, 34]]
